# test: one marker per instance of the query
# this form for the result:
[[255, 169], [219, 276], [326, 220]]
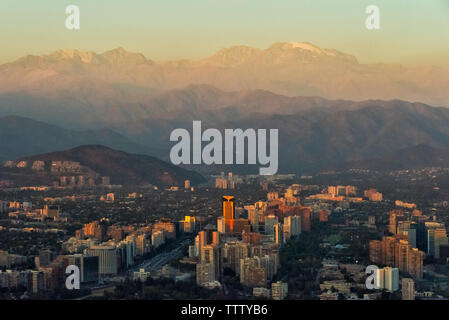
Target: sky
[[412, 32]]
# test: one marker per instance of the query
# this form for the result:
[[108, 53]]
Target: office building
[[408, 289], [391, 282], [279, 290]]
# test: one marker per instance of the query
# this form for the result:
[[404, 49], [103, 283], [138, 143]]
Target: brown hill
[[122, 168]]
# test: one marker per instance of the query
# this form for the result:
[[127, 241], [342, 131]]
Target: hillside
[[417, 157], [21, 136], [96, 161]]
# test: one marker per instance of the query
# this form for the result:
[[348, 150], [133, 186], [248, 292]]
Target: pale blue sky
[[412, 31]]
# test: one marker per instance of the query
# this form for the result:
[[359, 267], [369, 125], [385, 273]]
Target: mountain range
[[87, 89], [329, 108], [314, 134], [416, 157], [21, 136]]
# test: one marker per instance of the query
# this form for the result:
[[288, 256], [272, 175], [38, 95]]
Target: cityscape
[[235, 237], [224, 159]]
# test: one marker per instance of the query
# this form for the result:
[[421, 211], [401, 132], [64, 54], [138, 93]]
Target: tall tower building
[[292, 226], [306, 213], [205, 273], [436, 236], [388, 250], [392, 223], [375, 251], [229, 212], [210, 254], [278, 233], [253, 217], [270, 221], [401, 248], [415, 263], [380, 279]]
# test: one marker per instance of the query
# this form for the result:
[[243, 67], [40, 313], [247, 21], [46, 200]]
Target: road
[[161, 259]]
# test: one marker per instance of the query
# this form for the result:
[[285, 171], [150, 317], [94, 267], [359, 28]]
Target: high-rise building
[[252, 274], [107, 258], [187, 184], [205, 273], [401, 254], [279, 290], [392, 222], [396, 252], [233, 253], [115, 233], [211, 254], [415, 263], [88, 265], [189, 224], [421, 232], [229, 212], [278, 233], [251, 237], [270, 221], [143, 243], [305, 213], [292, 226], [388, 250], [395, 216], [38, 282], [408, 289], [157, 238], [391, 279], [221, 226], [253, 217], [208, 237], [94, 229], [411, 235], [436, 236], [380, 278], [167, 226], [375, 251]]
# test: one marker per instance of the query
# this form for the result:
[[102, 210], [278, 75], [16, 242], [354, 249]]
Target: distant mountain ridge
[[318, 132], [416, 157], [21, 136], [314, 96], [119, 84], [314, 133]]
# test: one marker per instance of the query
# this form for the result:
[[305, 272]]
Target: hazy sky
[[412, 31]]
